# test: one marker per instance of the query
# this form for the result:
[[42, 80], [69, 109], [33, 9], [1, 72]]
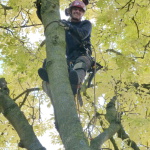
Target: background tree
[[121, 41]]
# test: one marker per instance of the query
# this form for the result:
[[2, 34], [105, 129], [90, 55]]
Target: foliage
[[120, 38]]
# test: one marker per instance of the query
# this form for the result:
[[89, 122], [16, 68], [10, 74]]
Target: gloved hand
[[65, 24]]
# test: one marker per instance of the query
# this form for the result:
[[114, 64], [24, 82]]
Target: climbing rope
[[95, 108], [55, 21]]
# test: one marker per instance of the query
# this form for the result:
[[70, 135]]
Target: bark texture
[[66, 116]]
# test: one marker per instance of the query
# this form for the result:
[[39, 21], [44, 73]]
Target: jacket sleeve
[[83, 31]]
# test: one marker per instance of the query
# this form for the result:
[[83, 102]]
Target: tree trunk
[[66, 116]]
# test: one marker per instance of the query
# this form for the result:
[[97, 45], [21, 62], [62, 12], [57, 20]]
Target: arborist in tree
[[78, 46]]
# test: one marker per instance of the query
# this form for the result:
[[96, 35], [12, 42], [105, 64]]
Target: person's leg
[[77, 74]]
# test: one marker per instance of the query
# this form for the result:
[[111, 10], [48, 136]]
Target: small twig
[[145, 49], [136, 26], [24, 100], [24, 26], [26, 91], [124, 136], [6, 7], [126, 4], [113, 51]]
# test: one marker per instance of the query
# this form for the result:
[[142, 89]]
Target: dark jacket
[[78, 39]]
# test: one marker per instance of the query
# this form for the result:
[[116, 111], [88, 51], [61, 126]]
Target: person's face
[[77, 13]]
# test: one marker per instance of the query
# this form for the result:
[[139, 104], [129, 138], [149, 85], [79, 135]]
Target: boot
[[74, 81], [43, 74]]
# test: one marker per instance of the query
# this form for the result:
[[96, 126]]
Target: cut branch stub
[[3, 86]]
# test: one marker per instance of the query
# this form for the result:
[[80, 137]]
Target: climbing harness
[[95, 66]]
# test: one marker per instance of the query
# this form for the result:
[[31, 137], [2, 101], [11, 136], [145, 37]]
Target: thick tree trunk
[[66, 116]]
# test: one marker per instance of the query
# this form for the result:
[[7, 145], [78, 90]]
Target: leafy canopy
[[121, 42]]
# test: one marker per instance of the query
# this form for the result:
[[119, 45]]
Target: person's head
[[77, 9]]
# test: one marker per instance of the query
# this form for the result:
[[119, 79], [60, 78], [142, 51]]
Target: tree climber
[[78, 47]]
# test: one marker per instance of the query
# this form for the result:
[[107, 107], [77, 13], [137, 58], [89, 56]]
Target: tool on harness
[[95, 65], [94, 68], [92, 71], [79, 98]]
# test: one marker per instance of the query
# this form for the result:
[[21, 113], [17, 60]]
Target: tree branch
[[24, 26], [145, 49], [136, 26], [113, 51], [27, 92], [6, 7], [122, 134], [128, 3], [111, 139], [17, 119], [136, 85], [114, 143], [111, 116], [142, 57]]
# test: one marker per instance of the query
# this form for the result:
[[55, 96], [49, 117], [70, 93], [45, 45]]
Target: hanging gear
[[92, 71], [94, 67]]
